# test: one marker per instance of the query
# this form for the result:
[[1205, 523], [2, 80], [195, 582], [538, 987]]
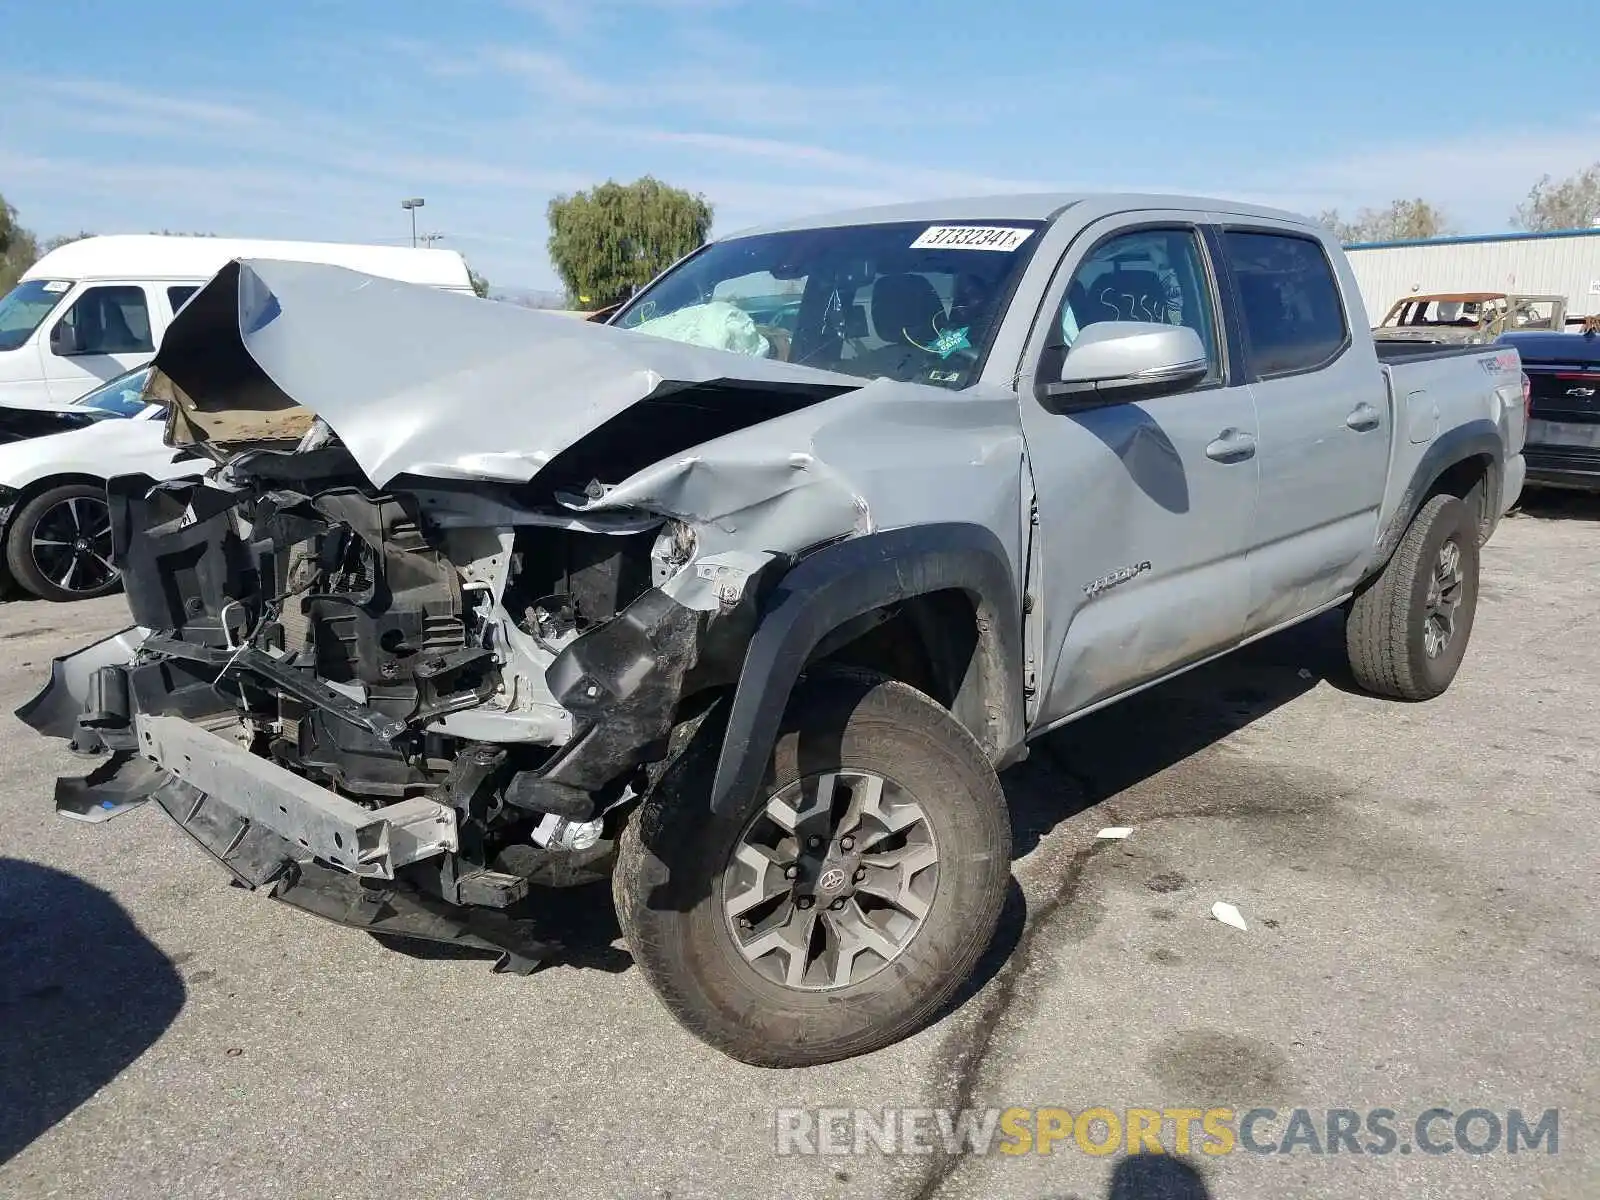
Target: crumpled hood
[[421, 382]]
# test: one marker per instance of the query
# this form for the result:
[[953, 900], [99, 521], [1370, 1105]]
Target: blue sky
[[313, 118]]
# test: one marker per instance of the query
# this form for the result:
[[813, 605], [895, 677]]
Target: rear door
[[1144, 508], [1324, 420], [109, 328]]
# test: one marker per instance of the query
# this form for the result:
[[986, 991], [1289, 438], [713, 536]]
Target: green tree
[[19, 250], [480, 285], [1401, 221], [1573, 203], [66, 239], [617, 237]]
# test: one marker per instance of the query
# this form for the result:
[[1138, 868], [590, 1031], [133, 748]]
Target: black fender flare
[[847, 580], [1474, 439]]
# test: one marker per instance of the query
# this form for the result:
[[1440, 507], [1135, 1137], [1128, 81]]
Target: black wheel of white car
[[59, 545], [838, 912], [1408, 629]]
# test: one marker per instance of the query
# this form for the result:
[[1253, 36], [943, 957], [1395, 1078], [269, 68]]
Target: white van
[[97, 307]]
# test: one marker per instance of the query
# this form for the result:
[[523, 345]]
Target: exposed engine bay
[[492, 692]]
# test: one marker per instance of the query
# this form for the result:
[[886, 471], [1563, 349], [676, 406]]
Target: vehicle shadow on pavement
[[1559, 504], [1094, 759], [1152, 1177], [82, 995], [582, 921], [1097, 758], [1156, 1177]]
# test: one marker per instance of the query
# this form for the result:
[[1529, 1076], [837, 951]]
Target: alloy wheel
[[1444, 598], [831, 880], [71, 545]]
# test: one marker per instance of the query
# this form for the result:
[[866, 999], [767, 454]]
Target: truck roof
[[1036, 206], [165, 256]]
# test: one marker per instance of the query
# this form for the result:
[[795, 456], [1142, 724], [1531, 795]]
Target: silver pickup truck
[[743, 598]]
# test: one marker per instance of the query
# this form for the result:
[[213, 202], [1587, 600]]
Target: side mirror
[[64, 340], [1116, 361]]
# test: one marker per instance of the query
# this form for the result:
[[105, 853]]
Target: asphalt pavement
[[1416, 882]]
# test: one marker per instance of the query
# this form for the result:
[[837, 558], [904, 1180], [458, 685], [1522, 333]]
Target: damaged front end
[[380, 709], [403, 706]]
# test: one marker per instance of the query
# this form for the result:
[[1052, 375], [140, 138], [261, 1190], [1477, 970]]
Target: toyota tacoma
[[744, 597]]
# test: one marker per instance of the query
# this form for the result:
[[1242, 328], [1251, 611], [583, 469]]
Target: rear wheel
[[59, 545], [1407, 631], [842, 908]]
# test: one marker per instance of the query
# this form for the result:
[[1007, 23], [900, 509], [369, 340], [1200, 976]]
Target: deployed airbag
[[717, 325]]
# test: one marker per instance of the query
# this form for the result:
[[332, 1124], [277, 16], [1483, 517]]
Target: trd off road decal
[[1106, 582]]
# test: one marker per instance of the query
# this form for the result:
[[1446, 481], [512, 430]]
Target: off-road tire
[[667, 884], [1384, 629], [19, 545]]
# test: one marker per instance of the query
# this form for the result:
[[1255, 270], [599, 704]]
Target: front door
[[1144, 508], [106, 331]]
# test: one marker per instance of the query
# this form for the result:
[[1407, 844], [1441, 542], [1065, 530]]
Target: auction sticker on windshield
[[970, 237]]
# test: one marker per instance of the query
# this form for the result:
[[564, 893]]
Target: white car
[[55, 524]]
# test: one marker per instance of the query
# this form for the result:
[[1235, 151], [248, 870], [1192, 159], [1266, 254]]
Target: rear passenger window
[[1293, 316], [178, 296]]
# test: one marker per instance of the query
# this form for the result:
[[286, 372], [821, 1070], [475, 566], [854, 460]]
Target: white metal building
[[1565, 263]]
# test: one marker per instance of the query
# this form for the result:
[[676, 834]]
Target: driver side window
[[1155, 275], [111, 319]]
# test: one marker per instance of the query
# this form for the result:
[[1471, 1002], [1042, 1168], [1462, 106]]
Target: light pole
[[411, 206]]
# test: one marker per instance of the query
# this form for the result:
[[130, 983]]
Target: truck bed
[[1432, 391]]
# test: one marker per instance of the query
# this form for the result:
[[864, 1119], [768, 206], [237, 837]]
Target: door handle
[[1232, 445], [1363, 418]]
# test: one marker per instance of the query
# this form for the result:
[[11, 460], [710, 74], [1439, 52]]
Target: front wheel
[[59, 545], [1407, 630], [840, 910]]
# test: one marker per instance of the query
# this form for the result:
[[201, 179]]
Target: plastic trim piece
[[854, 577]]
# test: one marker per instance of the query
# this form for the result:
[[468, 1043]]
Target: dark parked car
[[1563, 369]]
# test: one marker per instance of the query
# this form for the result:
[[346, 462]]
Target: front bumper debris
[[366, 842], [261, 860]]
